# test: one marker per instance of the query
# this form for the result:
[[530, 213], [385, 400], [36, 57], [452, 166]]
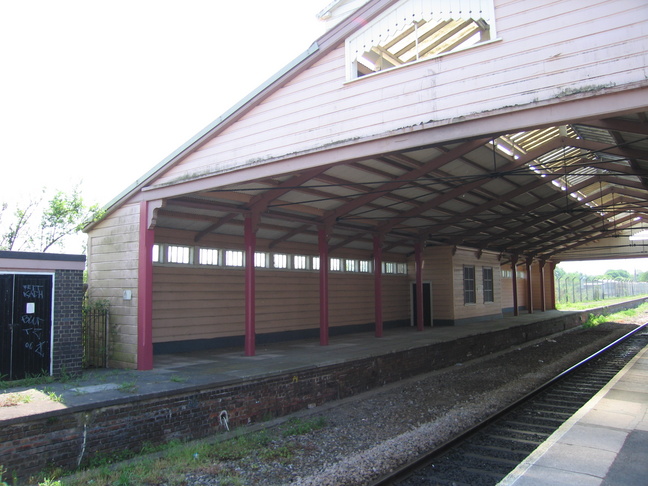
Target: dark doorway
[[427, 304], [25, 325]]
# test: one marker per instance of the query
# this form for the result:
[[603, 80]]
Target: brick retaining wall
[[66, 437]]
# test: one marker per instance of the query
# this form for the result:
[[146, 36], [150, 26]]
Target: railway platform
[[185, 394], [604, 443]]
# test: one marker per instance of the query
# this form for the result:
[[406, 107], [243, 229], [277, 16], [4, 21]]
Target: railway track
[[488, 452]]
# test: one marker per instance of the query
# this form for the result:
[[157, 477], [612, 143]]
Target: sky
[[95, 93]]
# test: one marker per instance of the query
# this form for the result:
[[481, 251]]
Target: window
[[156, 254], [389, 267], [233, 258], [261, 260], [487, 276], [316, 265], [365, 266], [279, 260], [300, 262], [335, 265], [417, 29], [351, 265], [208, 256], [469, 284], [178, 254]]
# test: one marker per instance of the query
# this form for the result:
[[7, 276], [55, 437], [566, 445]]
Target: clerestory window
[[418, 29]]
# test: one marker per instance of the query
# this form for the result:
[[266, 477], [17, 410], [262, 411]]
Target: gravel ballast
[[368, 435]]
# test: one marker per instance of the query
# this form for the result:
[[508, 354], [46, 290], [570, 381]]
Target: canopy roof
[[546, 193]]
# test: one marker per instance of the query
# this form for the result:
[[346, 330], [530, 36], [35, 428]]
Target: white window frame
[[234, 258], [179, 254]]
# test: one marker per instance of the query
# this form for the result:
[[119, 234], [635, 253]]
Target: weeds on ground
[[301, 427], [13, 399], [170, 463], [29, 381], [593, 320], [128, 387]]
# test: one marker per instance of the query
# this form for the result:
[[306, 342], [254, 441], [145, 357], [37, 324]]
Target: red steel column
[[514, 259], [552, 283], [145, 292], [324, 295], [543, 302], [377, 247], [529, 286], [250, 246], [418, 252]]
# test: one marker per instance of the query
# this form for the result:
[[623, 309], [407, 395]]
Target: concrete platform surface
[[604, 443], [173, 372]]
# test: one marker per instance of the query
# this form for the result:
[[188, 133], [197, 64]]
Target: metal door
[[25, 325]]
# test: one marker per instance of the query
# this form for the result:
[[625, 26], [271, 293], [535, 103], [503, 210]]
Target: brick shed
[[41, 296]]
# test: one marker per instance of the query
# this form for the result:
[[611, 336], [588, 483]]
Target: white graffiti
[[33, 291]]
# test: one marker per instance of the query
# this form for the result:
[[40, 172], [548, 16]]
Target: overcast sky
[[99, 92], [96, 92]]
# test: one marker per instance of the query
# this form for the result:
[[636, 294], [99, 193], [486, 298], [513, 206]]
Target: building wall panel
[[113, 247], [193, 302], [543, 53]]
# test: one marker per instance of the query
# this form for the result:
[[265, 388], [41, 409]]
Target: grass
[[128, 387], [30, 381], [170, 463], [593, 321], [13, 399], [53, 396], [567, 306]]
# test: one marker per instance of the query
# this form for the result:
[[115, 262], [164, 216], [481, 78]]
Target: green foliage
[[10, 237], [50, 482], [3, 471], [301, 427], [64, 214], [593, 320], [617, 274], [170, 462], [29, 381]]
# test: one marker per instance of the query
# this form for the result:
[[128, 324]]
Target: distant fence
[[587, 289], [95, 334]]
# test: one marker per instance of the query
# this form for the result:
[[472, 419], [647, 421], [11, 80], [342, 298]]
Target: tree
[[63, 215], [617, 274], [10, 239]]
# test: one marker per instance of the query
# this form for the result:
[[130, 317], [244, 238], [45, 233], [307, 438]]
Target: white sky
[[98, 92]]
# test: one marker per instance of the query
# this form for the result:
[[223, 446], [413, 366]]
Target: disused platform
[[184, 396], [174, 372]]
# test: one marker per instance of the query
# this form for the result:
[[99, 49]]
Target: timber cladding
[[67, 437], [191, 302], [113, 247]]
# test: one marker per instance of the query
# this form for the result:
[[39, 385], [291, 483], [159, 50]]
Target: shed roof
[[573, 190]]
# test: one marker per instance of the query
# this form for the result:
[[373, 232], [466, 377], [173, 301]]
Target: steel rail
[[425, 459]]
